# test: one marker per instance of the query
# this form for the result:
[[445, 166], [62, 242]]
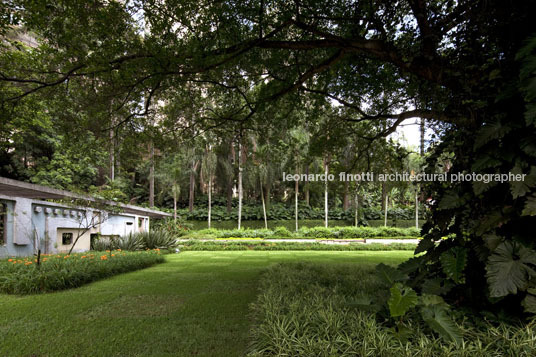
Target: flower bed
[[62, 271]]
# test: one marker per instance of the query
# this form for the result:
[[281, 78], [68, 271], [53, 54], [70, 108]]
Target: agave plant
[[157, 239], [129, 242], [102, 244]]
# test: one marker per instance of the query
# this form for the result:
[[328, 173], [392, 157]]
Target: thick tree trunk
[[151, 178]]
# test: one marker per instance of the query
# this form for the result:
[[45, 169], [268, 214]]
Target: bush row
[[60, 271], [217, 246], [305, 232], [283, 212], [327, 310]]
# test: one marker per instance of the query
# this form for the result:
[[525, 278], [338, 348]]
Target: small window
[[3, 223], [66, 238], [129, 223], [140, 222]]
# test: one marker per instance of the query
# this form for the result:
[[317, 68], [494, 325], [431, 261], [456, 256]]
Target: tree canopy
[[138, 75]]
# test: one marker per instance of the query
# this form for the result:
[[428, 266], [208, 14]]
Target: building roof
[[14, 188]]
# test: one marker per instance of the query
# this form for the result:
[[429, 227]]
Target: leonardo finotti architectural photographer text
[[406, 176]]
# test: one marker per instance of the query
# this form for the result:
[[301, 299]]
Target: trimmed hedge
[[217, 246], [61, 271]]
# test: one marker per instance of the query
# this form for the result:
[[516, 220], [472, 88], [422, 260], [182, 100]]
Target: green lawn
[[194, 304]]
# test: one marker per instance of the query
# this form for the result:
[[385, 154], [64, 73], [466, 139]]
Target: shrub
[[60, 271], [282, 232]]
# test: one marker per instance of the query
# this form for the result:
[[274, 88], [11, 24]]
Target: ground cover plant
[[259, 245], [305, 232], [193, 304], [64, 271], [319, 310]]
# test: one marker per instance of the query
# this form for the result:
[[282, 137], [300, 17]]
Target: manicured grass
[[197, 303]]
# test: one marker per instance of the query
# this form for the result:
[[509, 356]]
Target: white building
[[29, 220]]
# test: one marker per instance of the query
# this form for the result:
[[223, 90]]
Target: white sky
[[409, 134]]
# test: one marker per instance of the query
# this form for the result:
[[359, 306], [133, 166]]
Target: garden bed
[[63, 271], [321, 310]]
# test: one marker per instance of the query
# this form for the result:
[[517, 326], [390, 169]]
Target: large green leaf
[[530, 206], [437, 286], [437, 318], [450, 200], [401, 300], [490, 131], [390, 275], [529, 303], [453, 262], [509, 269], [521, 188]]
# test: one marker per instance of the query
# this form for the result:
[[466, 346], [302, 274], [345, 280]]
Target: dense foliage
[[319, 310]]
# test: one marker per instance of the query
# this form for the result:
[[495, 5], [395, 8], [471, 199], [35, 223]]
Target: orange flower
[[113, 255], [27, 263], [107, 251], [119, 250], [10, 260], [82, 257]]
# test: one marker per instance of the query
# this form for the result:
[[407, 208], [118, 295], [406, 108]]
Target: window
[[66, 238], [3, 223]]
